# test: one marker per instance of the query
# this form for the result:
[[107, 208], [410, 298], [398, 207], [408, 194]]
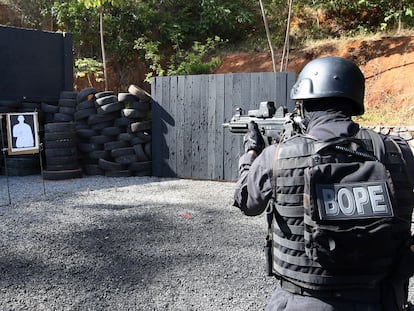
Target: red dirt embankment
[[387, 63]]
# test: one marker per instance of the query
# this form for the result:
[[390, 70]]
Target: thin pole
[[40, 159], [4, 149]]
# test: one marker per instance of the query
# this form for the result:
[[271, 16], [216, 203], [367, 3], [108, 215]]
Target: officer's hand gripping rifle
[[272, 122]]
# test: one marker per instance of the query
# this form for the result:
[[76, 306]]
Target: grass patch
[[387, 115]]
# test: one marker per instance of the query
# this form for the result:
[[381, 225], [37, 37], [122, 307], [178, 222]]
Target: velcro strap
[[295, 245], [289, 211], [359, 295]]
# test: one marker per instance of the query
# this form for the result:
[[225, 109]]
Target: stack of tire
[[21, 165], [61, 154], [95, 127], [49, 110], [114, 132], [66, 107], [59, 138]]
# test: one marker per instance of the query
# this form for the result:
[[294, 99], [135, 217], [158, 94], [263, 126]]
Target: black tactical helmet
[[331, 77]]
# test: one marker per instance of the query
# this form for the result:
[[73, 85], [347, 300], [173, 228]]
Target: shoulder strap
[[377, 143], [269, 211]]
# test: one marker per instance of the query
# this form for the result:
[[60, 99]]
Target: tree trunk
[[269, 40], [103, 48], [286, 46]]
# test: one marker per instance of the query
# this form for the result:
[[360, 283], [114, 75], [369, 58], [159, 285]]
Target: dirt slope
[[387, 63]]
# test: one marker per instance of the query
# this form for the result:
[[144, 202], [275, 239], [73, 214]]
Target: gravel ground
[[138, 243]]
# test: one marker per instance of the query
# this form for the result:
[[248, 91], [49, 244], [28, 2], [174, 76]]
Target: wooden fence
[[189, 140]]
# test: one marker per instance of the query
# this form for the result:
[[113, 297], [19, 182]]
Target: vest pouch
[[348, 216]]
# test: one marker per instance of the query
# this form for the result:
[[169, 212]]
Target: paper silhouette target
[[22, 133]]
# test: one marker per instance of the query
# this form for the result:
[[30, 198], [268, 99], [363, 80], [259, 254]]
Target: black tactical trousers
[[283, 300]]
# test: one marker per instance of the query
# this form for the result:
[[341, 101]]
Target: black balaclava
[[336, 112]]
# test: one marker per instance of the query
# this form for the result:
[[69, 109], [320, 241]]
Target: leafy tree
[[89, 68], [168, 33], [35, 14], [73, 17], [194, 61], [99, 4], [345, 17], [183, 62]]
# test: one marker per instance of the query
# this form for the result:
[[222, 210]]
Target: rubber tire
[[101, 126], [61, 175], [99, 118], [110, 165], [140, 153], [104, 94], [127, 97], [62, 117], [102, 101], [140, 126], [19, 171], [118, 173], [63, 166], [60, 127], [58, 152], [111, 131], [148, 150], [140, 166], [126, 159], [109, 108], [67, 110], [122, 122], [101, 139], [115, 145], [89, 147], [68, 103], [98, 154], [49, 108], [122, 152], [86, 104], [142, 137], [86, 94], [125, 136], [61, 160], [139, 93], [93, 169], [63, 143], [86, 133], [133, 113], [60, 135]]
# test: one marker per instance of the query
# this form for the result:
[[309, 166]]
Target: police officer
[[328, 92]]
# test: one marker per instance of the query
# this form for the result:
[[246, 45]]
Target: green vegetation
[[175, 37], [89, 68], [195, 61]]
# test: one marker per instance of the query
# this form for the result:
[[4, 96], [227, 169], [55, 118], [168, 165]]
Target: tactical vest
[[292, 257]]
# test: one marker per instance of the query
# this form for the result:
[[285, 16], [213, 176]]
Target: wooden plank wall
[[189, 140]]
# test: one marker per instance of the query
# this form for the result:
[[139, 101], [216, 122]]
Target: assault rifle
[[272, 122]]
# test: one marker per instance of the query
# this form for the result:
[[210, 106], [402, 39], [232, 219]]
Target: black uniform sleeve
[[254, 186], [407, 155]]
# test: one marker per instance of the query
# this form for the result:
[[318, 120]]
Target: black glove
[[253, 140]]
